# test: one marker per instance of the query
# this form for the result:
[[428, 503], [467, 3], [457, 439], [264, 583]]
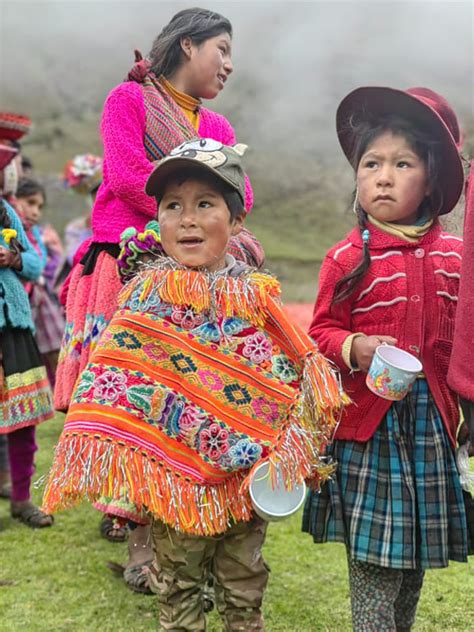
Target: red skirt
[[91, 303]]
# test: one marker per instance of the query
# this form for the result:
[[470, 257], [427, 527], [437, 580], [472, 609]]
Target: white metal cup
[[274, 503]]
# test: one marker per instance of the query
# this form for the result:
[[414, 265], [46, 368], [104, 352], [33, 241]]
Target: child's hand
[[363, 349], [464, 435], [9, 259]]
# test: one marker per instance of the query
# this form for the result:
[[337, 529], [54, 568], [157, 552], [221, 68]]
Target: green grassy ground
[[56, 579]]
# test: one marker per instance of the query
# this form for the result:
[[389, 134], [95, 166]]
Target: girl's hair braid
[[346, 285]]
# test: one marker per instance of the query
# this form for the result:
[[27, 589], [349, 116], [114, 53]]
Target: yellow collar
[[411, 234], [181, 98]]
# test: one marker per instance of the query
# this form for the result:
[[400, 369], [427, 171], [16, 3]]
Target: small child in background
[[25, 395], [46, 311], [199, 377], [396, 499]]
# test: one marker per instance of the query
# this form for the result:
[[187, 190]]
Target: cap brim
[[370, 102], [167, 168]]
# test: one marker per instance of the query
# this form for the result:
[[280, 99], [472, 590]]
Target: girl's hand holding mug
[[363, 349]]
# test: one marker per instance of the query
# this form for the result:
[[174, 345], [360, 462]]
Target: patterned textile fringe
[[245, 296], [86, 468], [310, 427], [89, 467]]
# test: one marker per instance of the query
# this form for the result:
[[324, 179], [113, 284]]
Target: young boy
[[198, 377]]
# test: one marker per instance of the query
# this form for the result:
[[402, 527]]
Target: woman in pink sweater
[[156, 109]]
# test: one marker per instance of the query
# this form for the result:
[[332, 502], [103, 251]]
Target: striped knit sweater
[[410, 292]]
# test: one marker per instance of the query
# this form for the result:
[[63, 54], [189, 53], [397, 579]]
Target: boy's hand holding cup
[[363, 349]]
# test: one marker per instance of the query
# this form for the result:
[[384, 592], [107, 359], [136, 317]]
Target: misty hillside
[[293, 62]]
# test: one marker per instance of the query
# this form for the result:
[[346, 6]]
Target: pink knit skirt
[[91, 302]]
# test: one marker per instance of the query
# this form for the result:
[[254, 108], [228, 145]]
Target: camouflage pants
[[182, 566], [383, 599]]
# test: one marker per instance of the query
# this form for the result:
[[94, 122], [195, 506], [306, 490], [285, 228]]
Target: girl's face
[[392, 180], [30, 208], [195, 225], [208, 66]]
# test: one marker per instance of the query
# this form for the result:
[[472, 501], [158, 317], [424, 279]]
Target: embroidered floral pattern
[[171, 414], [186, 317], [211, 380], [93, 328], [155, 352], [283, 369], [214, 442], [140, 397], [257, 347], [244, 453], [85, 384], [110, 385], [225, 330], [265, 409], [192, 417]]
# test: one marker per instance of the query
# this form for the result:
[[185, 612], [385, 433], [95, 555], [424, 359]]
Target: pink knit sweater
[[121, 200], [461, 367]]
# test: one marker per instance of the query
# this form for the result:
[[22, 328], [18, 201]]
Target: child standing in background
[[46, 311], [396, 499], [25, 395]]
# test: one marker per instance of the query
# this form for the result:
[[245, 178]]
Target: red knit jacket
[[410, 293], [461, 367]]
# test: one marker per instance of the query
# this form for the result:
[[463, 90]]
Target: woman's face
[[207, 66]]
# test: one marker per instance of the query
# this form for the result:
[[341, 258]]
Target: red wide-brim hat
[[372, 102], [7, 153], [13, 126]]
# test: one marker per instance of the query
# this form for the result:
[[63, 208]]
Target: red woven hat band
[[13, 126]]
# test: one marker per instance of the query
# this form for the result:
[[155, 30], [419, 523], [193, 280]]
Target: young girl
[[46, 311], [396, 500], [144, 118], [25, 395]]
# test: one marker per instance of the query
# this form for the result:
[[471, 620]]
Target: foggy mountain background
[[293, 62]]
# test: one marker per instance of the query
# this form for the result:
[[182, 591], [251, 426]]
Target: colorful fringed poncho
[[198, 378]]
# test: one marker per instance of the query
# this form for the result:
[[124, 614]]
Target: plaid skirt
[[395, 501]]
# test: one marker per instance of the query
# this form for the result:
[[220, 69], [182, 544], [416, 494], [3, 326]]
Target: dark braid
[[346, 285], [5, 222]]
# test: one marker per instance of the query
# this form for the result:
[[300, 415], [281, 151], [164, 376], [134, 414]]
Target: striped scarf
[[166, 125], [198, 379]]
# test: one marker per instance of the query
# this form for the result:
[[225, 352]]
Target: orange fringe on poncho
[[198, 379]]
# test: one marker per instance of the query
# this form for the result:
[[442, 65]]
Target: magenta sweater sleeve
[[228, 138], [330, 326], [123, 130]]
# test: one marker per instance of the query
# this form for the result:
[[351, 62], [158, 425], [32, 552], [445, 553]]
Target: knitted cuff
[[346, 351]]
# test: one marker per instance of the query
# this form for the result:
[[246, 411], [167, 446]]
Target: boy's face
[[195, 224]]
